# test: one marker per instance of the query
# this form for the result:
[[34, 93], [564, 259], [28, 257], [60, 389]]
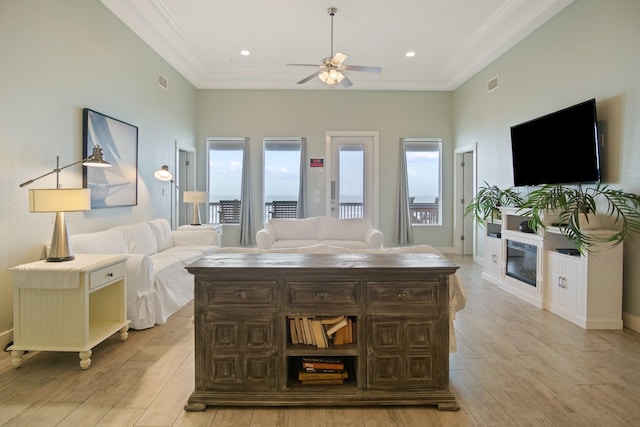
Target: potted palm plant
[[485, 206], [576, 209]]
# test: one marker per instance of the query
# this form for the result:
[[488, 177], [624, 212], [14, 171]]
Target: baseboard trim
[[630, 321], [6, 337]]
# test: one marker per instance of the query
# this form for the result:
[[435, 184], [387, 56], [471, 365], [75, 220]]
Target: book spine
[[322, 382], [321, 376], [323, 365]]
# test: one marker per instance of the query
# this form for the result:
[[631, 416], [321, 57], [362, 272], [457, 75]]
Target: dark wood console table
[[398, 304]]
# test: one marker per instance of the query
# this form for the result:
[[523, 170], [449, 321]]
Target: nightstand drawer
[[106, 275], [405, 294], [341, 293]]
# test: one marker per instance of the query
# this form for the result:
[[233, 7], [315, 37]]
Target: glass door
[[352, 181]]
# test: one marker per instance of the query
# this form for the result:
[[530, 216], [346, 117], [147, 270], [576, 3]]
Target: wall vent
[[163, 82], [492, 84]]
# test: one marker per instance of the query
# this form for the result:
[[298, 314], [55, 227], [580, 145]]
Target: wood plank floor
[[515, 366]]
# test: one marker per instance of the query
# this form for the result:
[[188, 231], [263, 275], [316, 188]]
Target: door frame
[[461, 199], [185, 180], [374, 188]]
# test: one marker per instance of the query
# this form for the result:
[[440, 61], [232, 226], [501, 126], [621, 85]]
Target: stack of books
[[322, 331], [322, 371]]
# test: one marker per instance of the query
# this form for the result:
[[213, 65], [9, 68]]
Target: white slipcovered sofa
[[157, 282], [354, 233]]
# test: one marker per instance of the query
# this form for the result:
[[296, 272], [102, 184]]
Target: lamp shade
[[59, 200], [163, 174], [194, 197]]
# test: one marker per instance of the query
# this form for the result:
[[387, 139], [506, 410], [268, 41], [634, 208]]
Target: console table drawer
[[340, 293], [406, 294], [242, 293], [106, 275]]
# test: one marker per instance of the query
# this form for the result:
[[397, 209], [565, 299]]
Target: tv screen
[[558, 148]]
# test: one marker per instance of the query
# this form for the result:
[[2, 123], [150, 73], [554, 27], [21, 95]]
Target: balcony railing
[[421, 213]]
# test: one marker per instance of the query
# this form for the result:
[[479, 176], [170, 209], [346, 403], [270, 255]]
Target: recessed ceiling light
[[245, 52], [410, 54]]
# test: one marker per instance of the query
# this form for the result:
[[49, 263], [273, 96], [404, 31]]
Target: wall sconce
[[195, 197], [61, 200], [163, 174]]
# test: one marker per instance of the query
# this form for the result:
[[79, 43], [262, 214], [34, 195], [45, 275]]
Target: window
[[281, 176], [424, 175], [224, 178]]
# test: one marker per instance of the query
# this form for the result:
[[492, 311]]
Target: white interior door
[[352, 181], [465, 173]]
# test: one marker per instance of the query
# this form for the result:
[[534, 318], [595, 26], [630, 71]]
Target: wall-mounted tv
[[558, 148]]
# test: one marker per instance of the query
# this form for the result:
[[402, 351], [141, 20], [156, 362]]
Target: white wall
[[57, 58], [271, 113], [590, 50]]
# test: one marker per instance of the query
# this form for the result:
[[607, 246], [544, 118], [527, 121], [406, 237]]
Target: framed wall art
[[116, 185]]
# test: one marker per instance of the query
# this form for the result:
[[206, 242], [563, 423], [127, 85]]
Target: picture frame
[[116, 185]]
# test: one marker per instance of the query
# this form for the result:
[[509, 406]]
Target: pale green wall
[[590, 50], [259, 114], [55, 59]]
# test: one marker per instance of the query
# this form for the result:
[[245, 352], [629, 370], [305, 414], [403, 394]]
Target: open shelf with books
[[322, 332], [325, 371]]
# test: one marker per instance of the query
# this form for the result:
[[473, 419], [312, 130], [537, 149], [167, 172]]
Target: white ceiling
[[453, 39]]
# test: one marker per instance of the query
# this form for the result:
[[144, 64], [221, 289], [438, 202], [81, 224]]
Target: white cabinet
[[492, 258], [564, 284], [586, 289], [68, 306]]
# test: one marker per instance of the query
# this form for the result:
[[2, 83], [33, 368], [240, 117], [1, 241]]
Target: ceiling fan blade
[[305, 65], [346, 82], [363, 68], [306, 79], [338, 58]]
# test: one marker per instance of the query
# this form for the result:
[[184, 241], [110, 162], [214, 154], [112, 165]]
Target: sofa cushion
[[101, 242], [351, 244], [293, 243], [342, 228], [295, 229], [162, 233], [139, 238]]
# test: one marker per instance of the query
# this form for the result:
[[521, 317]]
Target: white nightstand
[[68, 306]]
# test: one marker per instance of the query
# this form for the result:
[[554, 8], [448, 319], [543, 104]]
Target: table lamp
[[195, 197], [61, 200]]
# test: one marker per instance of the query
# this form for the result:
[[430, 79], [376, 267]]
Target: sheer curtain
[[301, 211], [247, 228], [403, 231]]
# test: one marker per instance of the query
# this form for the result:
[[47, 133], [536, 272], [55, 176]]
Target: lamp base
[[195, 220], [60, 250], [61, 259]]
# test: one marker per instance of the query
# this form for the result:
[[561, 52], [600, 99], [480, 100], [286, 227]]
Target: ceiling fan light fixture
[[332, 65], [331, 77]]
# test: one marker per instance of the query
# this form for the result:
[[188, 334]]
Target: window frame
[[285, 141], [231, 143], [435, 143]]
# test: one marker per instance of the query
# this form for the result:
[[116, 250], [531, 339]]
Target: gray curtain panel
[[403, 231], [247, 227]]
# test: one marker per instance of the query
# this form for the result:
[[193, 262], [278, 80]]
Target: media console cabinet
[[398, 304]]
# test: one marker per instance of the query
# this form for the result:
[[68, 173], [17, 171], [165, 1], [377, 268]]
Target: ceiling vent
[[163, 82], [492, 84]]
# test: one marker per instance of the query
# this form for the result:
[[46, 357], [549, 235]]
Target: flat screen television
[[558, 148]]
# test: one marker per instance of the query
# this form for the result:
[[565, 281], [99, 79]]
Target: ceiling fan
[[332, 68]]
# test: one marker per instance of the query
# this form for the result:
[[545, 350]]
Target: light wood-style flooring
[[516, 365]]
